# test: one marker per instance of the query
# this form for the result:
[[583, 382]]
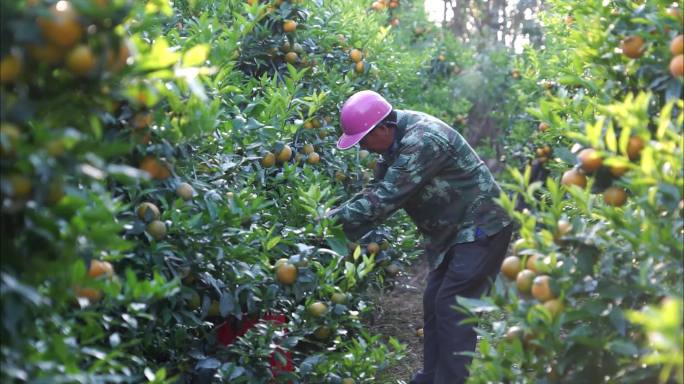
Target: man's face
[[379, 140]]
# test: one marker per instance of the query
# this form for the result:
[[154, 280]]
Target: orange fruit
[[10, 68], [532, 261], [677, 66], [363, 154], [615, 196], [555, 306], [340, 176], [155, 168], [99, 268], [322, 332], [286, 273], [308, 124], [317, 309], [291, 57], [148, 211], [268, 160], [511, 267], [185, 191], [574, 177], [289, 26], [92, 294], [356, 55], [542, 289], [358, 67], [515, 74], [378, 5], [420, 332], [394, 22], [157, 229], [62, 27], [348, 380], [285, 154], [632, 46], [524, 280], [80, 61], [590, 160], [314, 158], [373, 248], [308, 148], [634, 147], [543, 126], [338, 298], [677, 45]]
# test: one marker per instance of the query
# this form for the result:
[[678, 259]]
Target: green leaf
[[273, 242], [196, 55]]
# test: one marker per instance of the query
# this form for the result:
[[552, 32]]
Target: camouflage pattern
[[437, 178]]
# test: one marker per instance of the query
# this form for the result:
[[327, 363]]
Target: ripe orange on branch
[[677, 66], [356, 55], [633, 46], [61, 27], [157, 229], [268, 160], [615, 196], [155, 168], [284, 154], [314, 158], [286, 273], [148, 211], [524, 280], [99, 268], [574, 177], [289, 26], [634, 147], [317, 309], [511, 267], [185, 191], [543, 289], [590, 160]]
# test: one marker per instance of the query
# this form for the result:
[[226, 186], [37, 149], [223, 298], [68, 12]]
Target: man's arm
[[416, 164]]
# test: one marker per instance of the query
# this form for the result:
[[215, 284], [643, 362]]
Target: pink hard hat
[[359, 115]]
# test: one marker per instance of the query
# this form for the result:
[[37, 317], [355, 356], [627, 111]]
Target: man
[[430, 171]]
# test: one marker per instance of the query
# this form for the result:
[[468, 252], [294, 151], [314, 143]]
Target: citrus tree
[[601, 237]]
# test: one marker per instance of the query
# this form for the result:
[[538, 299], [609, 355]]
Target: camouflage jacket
[[437, 178]]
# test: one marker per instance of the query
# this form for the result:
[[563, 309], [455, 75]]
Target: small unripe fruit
[[157, 229], [185, 191]]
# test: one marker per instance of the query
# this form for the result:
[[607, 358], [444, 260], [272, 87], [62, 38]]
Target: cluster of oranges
[[283, 154], [67, 40], [590, 160], [530, 279]]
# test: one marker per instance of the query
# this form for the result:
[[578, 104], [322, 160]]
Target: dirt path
[[398, 313]]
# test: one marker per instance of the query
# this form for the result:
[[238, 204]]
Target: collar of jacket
[[398, 134]]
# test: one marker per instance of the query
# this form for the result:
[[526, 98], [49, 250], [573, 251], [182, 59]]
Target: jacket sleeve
[[418, 161]]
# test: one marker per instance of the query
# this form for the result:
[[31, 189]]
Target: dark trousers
[[468, 270]]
